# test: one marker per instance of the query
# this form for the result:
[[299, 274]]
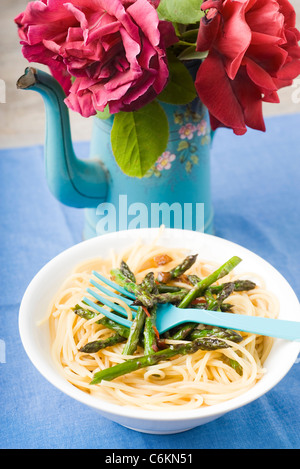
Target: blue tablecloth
[[256, 194]]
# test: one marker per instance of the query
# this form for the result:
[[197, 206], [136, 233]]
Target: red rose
[[253, 52], [116, 50]]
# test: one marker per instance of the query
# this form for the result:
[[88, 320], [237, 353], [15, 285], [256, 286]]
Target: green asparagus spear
[[150, 339], [225, 307], [193, 279], [163, 298], [204, 343], [149, 333], [202, 305], [141, 294], [147, 287], [106, 322], [217, 332], [239, 285], [127, 272], [212, 303], [118, 328], [162, 288], [243, 285], [187, 263], [224, 293], [188, 327], [135, 331], [236, 366], [215, 303], [84, 313], [172, 298], [183, 331], [149, 284], [201, 286], [96, 345], [199, 289]]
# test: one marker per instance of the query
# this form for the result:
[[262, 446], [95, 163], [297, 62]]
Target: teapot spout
[[73, 181]]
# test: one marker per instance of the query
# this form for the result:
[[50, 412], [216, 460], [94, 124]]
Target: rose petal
[[218, 95]]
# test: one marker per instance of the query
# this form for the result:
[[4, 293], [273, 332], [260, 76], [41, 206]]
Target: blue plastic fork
[[169, 316]]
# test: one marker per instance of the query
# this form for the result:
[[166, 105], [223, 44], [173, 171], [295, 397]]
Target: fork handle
[[283, 329]]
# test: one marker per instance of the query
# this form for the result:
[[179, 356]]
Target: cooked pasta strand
[[186, 382]]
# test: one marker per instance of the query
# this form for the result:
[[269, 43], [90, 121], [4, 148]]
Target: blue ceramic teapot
[[175, 192]]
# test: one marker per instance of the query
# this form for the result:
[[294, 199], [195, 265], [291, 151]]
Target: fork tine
[[115, 295], [114, 285], [110, 304], [108, 314]]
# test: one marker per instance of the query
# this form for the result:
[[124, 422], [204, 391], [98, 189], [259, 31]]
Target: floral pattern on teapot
[[192, 131]]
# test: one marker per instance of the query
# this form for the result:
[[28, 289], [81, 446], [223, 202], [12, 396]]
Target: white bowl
[[40, 292]]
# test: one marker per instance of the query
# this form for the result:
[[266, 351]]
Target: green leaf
[[183, 145], [188, 166], [138, 138], [190, 53], [180, 88], [181, 11], [190, 35], [104, 114], [195, 159]]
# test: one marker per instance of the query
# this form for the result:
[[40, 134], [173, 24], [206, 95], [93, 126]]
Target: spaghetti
[[203, 378]]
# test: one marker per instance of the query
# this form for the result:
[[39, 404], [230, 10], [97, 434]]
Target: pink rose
[[116, 50], [253, 52]]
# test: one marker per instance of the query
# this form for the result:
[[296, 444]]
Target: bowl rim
[[55, 378]]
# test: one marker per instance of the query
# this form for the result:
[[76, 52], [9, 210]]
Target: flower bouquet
[[127, 57]]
